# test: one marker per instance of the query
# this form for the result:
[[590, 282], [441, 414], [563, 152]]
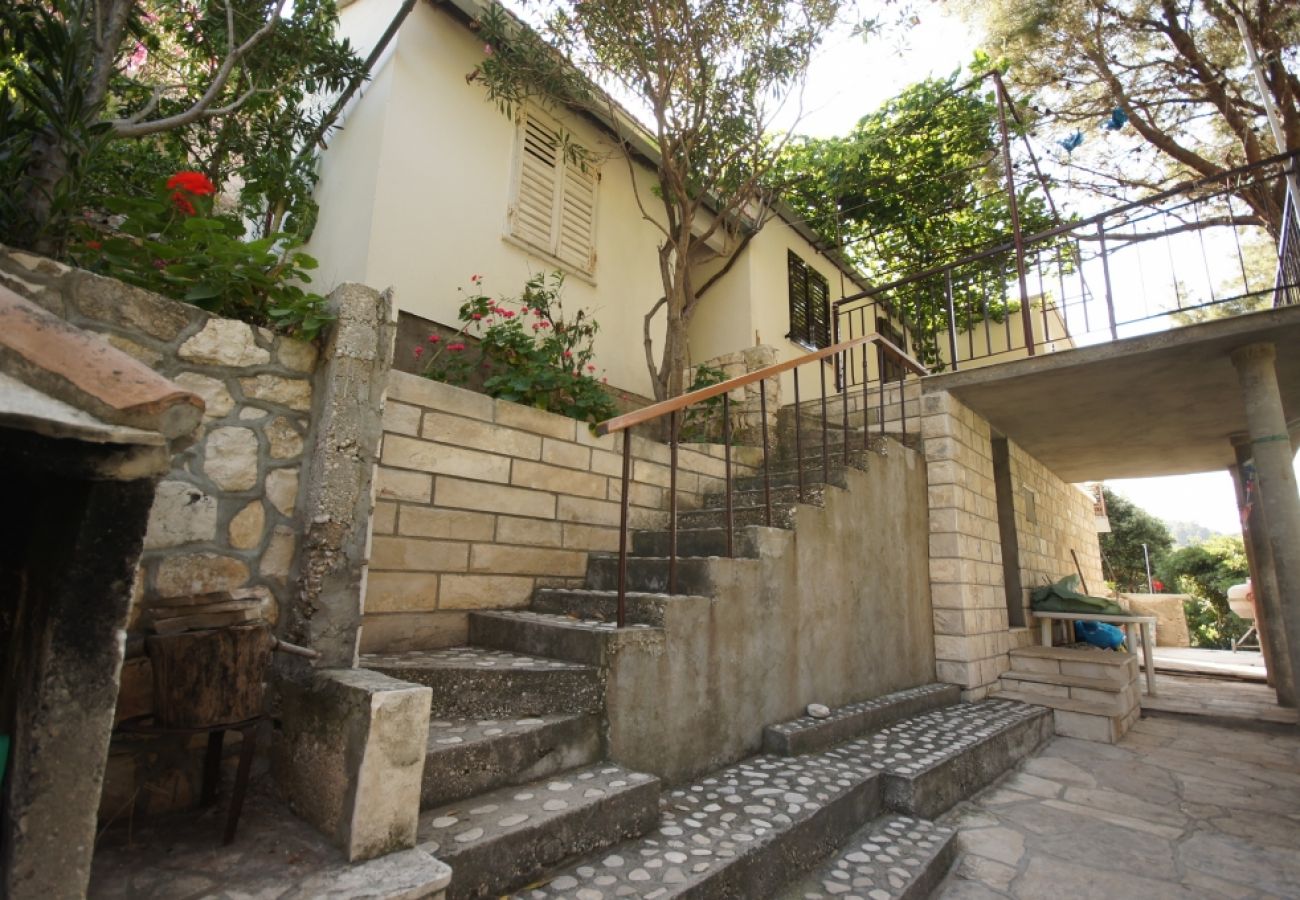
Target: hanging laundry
[[1118, 119], [1072, 142]]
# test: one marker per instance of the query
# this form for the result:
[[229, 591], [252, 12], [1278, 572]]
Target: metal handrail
[[672, 407]]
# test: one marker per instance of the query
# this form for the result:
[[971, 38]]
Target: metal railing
[[1177, 255], [842, 354]]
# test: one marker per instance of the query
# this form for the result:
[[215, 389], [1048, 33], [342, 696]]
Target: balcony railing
[[848, 354], [1173, 258]]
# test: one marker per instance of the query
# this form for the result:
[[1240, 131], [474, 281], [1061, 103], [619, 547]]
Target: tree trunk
[[209, 677]]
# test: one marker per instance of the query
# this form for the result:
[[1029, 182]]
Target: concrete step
[[558, 636], [808, 735], [783, 516], [737, 833], [477, 682], [469, 756], [814, 494], [649, 574], [1071, 661], [933, 760], [895, 857], [602, 605], [1086, 721], [501, 840], [748, 541], [1100, 692]]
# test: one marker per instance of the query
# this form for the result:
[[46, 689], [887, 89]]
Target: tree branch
[[202, 108]]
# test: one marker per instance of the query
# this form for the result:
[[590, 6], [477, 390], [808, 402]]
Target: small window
[[810, 316], [553, 206]]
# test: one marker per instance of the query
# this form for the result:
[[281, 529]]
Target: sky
[[850, 78]]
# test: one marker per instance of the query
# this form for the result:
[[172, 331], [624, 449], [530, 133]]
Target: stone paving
[[1177, 809]]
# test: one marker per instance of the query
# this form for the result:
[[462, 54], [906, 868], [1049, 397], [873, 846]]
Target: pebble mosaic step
[[736, 833], [895, 857], [478, 682], [807, 734], [501, 839], [558, 636], [933, 760], [649, 573], [468, 756], [602, 603]]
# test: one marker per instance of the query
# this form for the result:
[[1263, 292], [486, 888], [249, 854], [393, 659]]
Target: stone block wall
[[1053, 518], [972, 630], [746, 402], [479, 501], [223, 517]]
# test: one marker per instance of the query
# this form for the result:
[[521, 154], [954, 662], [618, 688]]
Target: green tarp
[[1062, 597]]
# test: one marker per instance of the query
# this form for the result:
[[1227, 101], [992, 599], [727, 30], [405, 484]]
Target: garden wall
[[971, 624], [479, 501], [222, 520]]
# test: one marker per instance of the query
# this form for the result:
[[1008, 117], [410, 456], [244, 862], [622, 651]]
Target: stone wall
[[1053, 518], [972, 631], [479, 501], [223, 517], [746, 402]]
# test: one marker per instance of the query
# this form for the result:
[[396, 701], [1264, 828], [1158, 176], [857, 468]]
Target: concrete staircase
[[517, 795], [1093, 693]]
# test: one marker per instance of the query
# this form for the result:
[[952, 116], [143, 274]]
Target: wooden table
[[1146, 625]]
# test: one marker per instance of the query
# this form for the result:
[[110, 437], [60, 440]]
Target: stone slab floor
[[1176, 809]]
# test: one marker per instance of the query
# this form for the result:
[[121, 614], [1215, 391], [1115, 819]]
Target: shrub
[[528, 351], [172, 243]]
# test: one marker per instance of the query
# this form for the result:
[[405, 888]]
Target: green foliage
[[703, 422], [172, 244], [70, 139], [1206, 571], [1130, 528], [917, 183], [529, 354]]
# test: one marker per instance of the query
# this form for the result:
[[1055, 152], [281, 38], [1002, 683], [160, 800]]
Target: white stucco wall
[[441, 157]]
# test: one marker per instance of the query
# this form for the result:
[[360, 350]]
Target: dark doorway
[[1006, 496]]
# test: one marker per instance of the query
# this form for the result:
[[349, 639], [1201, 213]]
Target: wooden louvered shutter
[[532, 218], [575, 243], [819, 310], [799, 325]]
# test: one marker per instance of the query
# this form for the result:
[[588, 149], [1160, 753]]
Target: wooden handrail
[[673, 404]]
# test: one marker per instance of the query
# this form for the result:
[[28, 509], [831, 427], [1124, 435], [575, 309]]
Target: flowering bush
[[527, 351], [172, 243]]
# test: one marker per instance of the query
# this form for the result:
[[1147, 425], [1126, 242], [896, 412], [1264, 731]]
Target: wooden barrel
[[209, 677]]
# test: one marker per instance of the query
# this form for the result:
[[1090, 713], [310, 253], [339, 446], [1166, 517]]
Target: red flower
[[455, 348], [591, 368], [195, 182], [418, 351], [476, 316], [1158, 585], [476, 278], [568, 353], [182, 204], [509, 314], [434, 338], [94, 245]]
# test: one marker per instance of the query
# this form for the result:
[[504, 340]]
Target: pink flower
[[435, 338], [476, 278], [138, 58], [418, 351], [568, 354], [507, 313], [536, 326], [590, 368], [455, 348], [476, 316], [604, 381]]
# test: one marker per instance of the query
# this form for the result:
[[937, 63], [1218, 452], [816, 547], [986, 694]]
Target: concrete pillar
[[348, 406], [1275, 477], [1259, 556]]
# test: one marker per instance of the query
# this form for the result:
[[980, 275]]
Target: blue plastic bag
[[1100, 634]]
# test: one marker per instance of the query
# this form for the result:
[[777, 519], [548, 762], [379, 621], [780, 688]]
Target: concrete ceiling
[[1159, 404]]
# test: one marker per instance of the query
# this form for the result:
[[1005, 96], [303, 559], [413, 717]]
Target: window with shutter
[[553, 208], [810, 313]]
